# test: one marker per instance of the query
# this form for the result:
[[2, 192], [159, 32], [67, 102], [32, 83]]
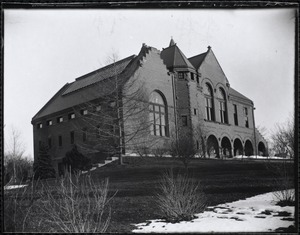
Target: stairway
[[103, 163]]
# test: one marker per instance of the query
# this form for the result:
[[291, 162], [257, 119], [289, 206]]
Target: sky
[[45, 49]]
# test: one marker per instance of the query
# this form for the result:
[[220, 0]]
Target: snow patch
[[255, 214]]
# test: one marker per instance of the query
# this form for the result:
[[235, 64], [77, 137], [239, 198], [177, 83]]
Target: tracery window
[[209, 104], [158, 115]]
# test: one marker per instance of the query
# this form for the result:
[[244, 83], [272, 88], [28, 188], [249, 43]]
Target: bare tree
[[183, 149], [283, 138], [199, 136], [122, 104], [16, 165]]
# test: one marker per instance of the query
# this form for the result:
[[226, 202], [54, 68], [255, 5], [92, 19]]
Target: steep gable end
[[211, 69]]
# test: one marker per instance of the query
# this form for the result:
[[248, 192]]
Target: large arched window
[[209, 104], [222, 105], [158, 115]]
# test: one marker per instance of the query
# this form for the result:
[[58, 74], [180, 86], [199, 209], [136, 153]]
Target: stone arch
[[226, 147], [212, 147], [237, 147], [261, 149], [248, 148]]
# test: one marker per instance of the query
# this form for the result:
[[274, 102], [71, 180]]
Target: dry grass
[[72, 204], [180, 197], [76, 205]]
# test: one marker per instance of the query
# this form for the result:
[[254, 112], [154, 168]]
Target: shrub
[[284, 182], [76, 160], [75, 205], [180, 197]]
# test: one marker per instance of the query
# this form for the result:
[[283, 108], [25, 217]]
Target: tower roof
[[172, 43], [174, 58]]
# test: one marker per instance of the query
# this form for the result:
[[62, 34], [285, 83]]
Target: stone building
[[145, 102]]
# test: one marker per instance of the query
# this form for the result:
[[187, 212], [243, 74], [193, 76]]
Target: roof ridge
[[105, 67], [197, 55]]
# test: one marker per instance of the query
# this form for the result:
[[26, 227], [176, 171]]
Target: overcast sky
[[44, 49]]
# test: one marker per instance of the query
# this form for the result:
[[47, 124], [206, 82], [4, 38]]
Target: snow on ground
[[259, 157], [14, 186], [255, 214]]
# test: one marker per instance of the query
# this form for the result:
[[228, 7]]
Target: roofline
[[197, 55], [54, 96], [105, 67]]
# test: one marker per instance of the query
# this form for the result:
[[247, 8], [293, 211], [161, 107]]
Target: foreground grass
[[137, 184]]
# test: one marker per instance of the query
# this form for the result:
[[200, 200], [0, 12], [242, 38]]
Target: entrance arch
[[237, 147], [226, 147], [212, 147], [248, 148], [261, 149]]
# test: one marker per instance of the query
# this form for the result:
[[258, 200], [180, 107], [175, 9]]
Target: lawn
[[136, 184]]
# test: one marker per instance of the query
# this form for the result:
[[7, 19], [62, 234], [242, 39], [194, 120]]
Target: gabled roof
[[92, 86], [233, 92], [86, 88], [197, 60], [108, 71], [174, 58]]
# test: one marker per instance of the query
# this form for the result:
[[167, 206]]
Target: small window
[[72, 137], [197, 78], [60, 119], [195, 111], [71, 116], [59, 140], [98, 130], [49, 123], [112, 104], [49, 142], [98, 108], [180, 75], [40, 125], [184, 120], [84, 136], [192, 77], [84, 112]]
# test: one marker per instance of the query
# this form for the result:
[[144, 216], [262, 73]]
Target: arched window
[[209, 104], [222, 105], [158, 115]]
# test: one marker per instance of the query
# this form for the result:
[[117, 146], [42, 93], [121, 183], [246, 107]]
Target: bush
[[76, 160], [284, 182], [180, 197], [75, 205]]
